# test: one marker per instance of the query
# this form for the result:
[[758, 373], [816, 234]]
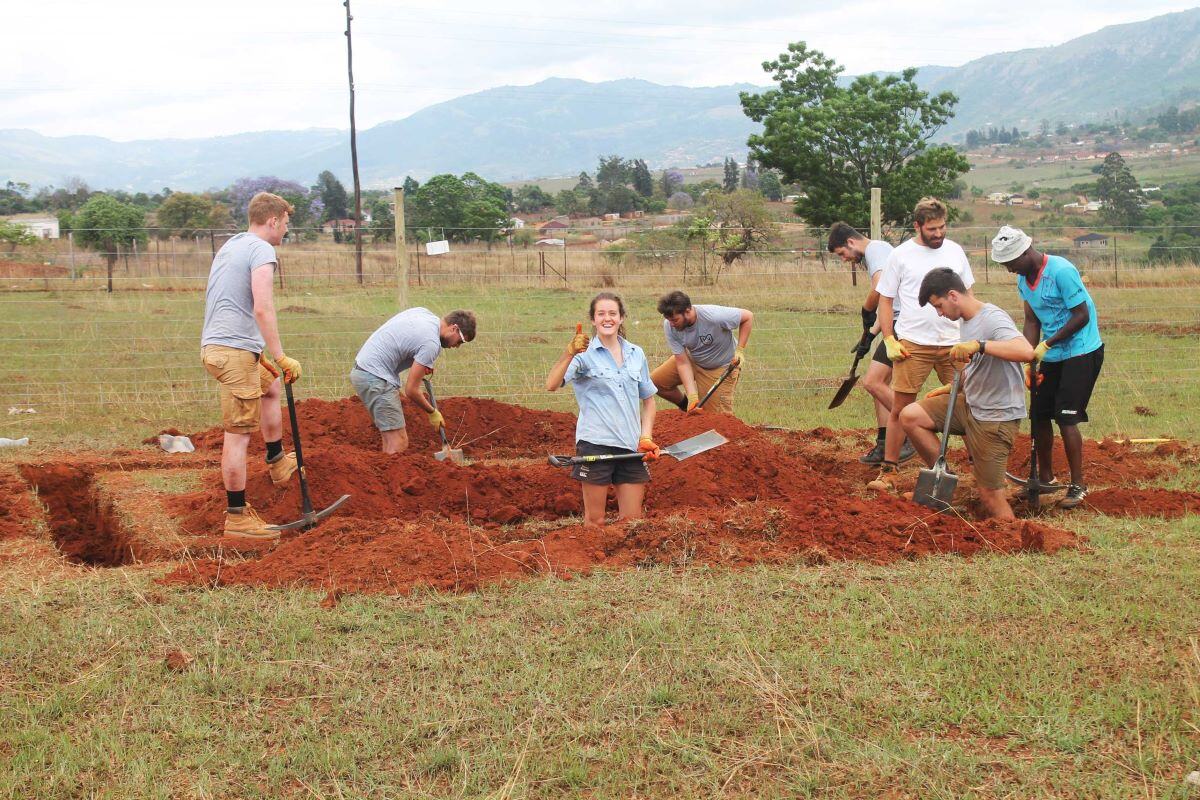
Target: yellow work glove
[[693, 403], [739, 357], [895, 350], [436, 420], [938, 392], [290, 367], [962, 352], [646, 445], [1039, 352], [579, 342]]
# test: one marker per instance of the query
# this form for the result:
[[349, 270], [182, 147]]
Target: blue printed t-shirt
[[609, 397], [1059, 289]]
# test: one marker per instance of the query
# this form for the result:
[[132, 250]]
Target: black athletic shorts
[[1064, 393], [881, 356], [605, 473]]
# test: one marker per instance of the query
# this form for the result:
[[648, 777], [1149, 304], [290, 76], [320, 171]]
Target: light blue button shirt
[[609, 397]]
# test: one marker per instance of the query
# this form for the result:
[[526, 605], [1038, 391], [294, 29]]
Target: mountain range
[[560, 126]]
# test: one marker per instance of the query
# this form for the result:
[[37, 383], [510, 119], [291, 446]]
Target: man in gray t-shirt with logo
[[239, 325], [991, 398], [702, 345], [411, 340]]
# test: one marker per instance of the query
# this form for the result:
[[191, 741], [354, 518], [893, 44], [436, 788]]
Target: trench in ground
[[84, 525]]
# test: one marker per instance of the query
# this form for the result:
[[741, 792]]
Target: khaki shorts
[[666, 376], [909, 374], [988, 442], [243, 381]]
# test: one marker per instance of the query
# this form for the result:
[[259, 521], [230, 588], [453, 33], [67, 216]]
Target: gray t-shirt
[[994, 388], [229, 302], [412, 335], [875, 256], [708, 340]]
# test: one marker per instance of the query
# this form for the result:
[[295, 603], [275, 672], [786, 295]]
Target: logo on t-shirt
[[706, 338]]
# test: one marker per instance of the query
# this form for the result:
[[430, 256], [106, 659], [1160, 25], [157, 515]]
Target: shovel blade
[[695, 445], [935, 487], [454, 456], [843, 391]]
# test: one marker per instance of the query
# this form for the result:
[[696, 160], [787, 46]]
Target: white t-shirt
[[906, 268]]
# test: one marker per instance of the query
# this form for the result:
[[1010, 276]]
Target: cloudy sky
[[135, 69]]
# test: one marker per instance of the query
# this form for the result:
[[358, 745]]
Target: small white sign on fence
[[437, 248]]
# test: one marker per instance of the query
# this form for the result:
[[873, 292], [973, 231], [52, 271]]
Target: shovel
[[848, 385], [935, 487], [713, 389], [679, 451], [310, 518], [456, 455]]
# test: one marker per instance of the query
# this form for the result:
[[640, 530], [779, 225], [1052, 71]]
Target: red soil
[[1122, 502]]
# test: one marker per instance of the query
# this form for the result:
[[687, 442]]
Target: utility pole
[[358, 269]]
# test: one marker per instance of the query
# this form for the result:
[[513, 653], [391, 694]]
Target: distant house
[[556, 224], [516, 223], [1091, 240], [611, 217], [551, 243], [998, 198], [1092, 206], [41, 227], [1016, 200]]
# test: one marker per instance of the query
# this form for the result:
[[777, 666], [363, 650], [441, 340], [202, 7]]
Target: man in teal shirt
[[1061, 323]]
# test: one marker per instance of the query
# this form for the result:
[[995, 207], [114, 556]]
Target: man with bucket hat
[[1061, 323]]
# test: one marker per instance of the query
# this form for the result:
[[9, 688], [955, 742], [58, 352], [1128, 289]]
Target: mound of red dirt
[[1122, 502], [413, 521]]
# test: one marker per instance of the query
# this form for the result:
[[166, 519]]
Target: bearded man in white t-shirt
[[918, 340]]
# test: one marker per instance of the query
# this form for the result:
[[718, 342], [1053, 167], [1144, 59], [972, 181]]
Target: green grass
[[1149, 170]]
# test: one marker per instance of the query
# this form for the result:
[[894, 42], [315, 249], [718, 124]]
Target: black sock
[[880, 434], [891, 466], [274, 449], [236, 499]]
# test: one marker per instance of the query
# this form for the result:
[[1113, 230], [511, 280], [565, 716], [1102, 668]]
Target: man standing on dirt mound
[[854, 248], [1061, 323], [703, 347], [239, 324], [412, 340], [991, 403], [919, 340]]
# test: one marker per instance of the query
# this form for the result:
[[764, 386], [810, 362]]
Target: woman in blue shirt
[[616, 409]]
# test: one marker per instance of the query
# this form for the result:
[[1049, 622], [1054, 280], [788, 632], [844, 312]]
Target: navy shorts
[[1064, 393], [605, 473], [881, 356]]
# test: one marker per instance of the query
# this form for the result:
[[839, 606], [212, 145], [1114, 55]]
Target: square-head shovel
[[454, 455], [935, 486]]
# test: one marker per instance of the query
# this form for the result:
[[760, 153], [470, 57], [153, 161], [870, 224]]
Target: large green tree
[[839, 141], [1120, 194], [466, 207], [333, 196], [186, 214], [106, 224]]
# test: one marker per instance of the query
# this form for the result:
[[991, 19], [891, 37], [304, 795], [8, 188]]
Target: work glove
[[693, 404], [962, 352], [868, 319], [739, 357], [290, 367], [436, 419], [863, 346], [646, 445], [1029, 371], [1040, 351], [938, 392], [895, 350], [579, 342]]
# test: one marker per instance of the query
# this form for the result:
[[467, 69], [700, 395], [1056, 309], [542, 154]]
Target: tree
[[185, 214], [333, 196], [584, 183], [839, 141], [466, 207], [770, 185], [1121, 199], [643, 181], [530, 198], [567, 202], [106, 224], [613, 171], [309, 206], [681, 201], [410, 186], [732, 225], [383, 222], [670, 182], [731, 175], [750, 175], [13, 235]]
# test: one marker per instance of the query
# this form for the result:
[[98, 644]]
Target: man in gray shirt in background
[[239, 324], [702, 346], [411, 340], [991, 401]]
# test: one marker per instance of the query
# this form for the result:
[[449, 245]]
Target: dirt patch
[[19, 513], [1123, 502], [25, 269], [85, 529]]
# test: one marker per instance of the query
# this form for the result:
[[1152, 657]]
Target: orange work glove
[[1028, 371], [646, 445], [693, 404], [579, 342]]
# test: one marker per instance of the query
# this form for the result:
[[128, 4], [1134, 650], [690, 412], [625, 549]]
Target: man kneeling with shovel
[[991, 405]]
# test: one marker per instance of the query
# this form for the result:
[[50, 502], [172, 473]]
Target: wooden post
[[71, 251], [1116, 272], [402, 250], [876, 213], [985, 259]]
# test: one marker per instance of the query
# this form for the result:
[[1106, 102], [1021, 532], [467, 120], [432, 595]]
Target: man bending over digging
[[239, 323], [703, 346], [412, 340], [991, 398]]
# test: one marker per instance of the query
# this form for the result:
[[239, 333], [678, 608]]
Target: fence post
[[71, 251], [1116, 273], [876, 213], [402, 250], [110, 258], [985, 260]]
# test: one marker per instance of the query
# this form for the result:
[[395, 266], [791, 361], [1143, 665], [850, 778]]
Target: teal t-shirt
[[1059, 289]]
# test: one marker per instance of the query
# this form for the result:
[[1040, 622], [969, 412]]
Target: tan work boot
[[885, 481], [282, 468], [247, 524]]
